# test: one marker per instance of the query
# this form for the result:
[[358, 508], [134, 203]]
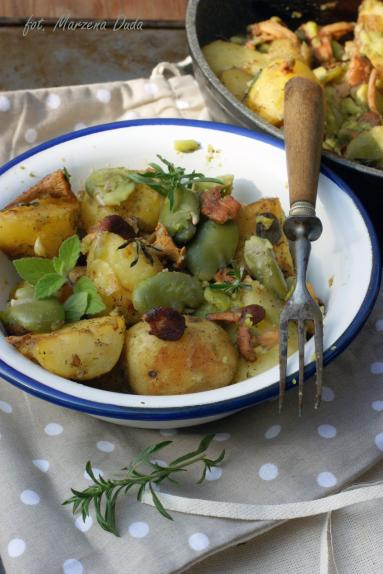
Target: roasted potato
[[39, 220], [144, 204], [249, 217], [202, 359], [266, 95], [236, 81], [111, 270], [79, 351], [221, 56]]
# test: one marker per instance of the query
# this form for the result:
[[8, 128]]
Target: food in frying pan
[[345, 58]]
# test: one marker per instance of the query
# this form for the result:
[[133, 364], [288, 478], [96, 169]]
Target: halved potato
[[236, 81], [202, 359], [266, 95], [39, 220], [110, 270], [247, 224], [221, 56], [143, 203], [79, 351]]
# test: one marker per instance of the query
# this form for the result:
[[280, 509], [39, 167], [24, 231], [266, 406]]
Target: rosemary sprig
[[232, 287], [104, 492], [167, 182]]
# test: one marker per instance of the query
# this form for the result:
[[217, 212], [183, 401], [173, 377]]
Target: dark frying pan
[[208, 20]]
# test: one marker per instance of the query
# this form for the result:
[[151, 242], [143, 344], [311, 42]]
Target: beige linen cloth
[[270, 459]]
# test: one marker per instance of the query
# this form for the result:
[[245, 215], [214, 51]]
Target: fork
[[303, 127]]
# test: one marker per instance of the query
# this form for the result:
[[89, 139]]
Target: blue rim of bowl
[[45, 392]]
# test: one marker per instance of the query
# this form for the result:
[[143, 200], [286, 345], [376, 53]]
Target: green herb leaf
[[69, 252], [103, 492], [58, 265], [67, 175], [31, 269], [95, 303], [48, 284], [75, 306]]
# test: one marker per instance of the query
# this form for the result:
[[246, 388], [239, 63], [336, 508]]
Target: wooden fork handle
[[303, 127]]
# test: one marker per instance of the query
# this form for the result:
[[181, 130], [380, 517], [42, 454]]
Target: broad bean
[[262, 265], [168, 289], [110, 186], [33, 316], [213, 247], [181, 219]]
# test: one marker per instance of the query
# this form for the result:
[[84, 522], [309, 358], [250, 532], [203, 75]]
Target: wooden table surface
[[95, 9]]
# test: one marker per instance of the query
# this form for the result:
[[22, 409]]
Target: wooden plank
[[61, 58], [95, 9]]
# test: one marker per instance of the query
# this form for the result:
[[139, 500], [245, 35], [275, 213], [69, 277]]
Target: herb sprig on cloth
[[167, 182], [49, 275], [103, 493]]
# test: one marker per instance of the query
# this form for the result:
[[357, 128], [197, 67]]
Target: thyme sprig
[[232, 287], [166, 182], [141, 247], [104, 492]]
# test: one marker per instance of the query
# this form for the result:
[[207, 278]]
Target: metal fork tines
[[300, 308]]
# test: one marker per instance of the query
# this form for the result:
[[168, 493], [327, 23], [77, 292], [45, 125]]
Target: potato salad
[[345, 58], [155, 281]]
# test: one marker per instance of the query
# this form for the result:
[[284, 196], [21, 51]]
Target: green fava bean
[[168, 289], [213, 247], [262, 265], [220, 301], [110, 186], [182, 218], [33, 316]]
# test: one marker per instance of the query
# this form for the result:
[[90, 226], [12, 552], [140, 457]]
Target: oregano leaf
[[75, 306], [69, 252], [31, 269], [48, 285]]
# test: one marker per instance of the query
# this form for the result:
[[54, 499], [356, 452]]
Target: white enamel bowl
[[347, 255]]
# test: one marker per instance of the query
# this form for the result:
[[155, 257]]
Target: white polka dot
[[273, 431], [199, 541], [5, 104], [268, 471], [29, 497], [151, 89], [138, 529], [379, 441], [105, 446], [159, 462], [328, 394], [83, 526], [168, 432], [53, 101], [41, 464], [53, 429], [182, 104], [79, 126], [222, 436], [214, 474], [376, 368], [96, 472], [326, 431], [326, 479], [377, 406], [30, 135], [379, 325], [103, 95], [16, 547], [5, 407], [72, 566]]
